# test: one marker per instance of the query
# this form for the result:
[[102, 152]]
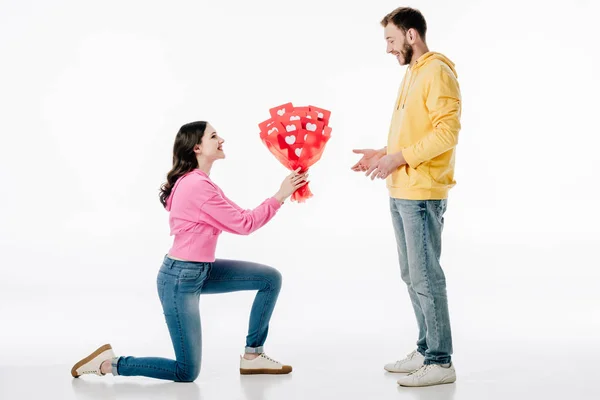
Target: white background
[[93, 93]]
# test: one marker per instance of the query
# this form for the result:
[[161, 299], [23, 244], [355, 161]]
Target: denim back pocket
[[192, 279]]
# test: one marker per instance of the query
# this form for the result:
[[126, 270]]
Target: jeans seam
[[262, 315], [149, 367], [426, 272], [180, 334]]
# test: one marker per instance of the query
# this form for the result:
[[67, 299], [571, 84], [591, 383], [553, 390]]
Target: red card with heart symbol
[[312, 125], [291, 116], [271, 126], [281, 110], [312, 115], [288, 140], [322, 114], [292, 126], [297, 136]]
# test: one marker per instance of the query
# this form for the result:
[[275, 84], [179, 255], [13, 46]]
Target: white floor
[[517, 334], [507, 371]]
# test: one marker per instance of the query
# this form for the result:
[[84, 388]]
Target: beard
[[407, 53]]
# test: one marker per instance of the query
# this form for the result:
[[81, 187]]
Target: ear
[[411, 36], [198, 149]]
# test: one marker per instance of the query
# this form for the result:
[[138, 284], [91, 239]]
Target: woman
[[199, 212]]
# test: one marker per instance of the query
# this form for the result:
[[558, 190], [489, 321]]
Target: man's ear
[[411, 36]]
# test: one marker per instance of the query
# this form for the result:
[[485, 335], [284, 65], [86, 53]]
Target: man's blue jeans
[[418, 227]]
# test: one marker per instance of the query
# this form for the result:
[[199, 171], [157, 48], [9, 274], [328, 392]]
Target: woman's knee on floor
[[187, 373]]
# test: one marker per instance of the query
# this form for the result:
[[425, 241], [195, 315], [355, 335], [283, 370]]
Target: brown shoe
[[91, 364], [263, 365]]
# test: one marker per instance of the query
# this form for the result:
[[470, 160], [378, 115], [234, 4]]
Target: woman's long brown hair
[[184, 158]]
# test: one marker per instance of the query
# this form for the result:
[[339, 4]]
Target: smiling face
[[211, 147], [399, 43]]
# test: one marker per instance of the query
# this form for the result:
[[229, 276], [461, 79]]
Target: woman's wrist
[[279, 197]]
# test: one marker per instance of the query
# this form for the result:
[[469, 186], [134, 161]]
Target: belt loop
[[170, 261]]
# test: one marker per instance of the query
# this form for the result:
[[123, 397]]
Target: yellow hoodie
[[425, 126]]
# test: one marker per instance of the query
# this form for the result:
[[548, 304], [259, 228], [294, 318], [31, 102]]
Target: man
[[418, 164]]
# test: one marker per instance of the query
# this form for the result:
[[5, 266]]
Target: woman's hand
[[290, 184]]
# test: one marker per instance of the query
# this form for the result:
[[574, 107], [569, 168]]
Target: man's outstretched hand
[[369, 159], [386, 165]]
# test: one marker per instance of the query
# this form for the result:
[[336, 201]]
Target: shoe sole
[[432, 384], [264, 371], [89, 358], [399, 372]]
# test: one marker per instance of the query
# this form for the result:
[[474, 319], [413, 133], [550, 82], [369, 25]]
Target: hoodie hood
[[430, 56], [170, 198]]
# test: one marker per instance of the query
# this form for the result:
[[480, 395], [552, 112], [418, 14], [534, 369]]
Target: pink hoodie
[[200, 211]]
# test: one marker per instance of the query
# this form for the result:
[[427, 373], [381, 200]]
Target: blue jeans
[[180, 284], [418, 226]]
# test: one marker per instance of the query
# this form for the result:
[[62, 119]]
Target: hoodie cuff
[[410, 158], [274, 203]]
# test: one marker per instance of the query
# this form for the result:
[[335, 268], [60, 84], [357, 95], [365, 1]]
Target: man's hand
[[369, 158], [386, 165]]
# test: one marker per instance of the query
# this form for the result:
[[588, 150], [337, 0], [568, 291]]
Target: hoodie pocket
[[419, 178]]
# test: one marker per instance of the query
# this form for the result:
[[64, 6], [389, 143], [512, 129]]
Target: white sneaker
[[91, 364], [263, 365], [411, 363], [429, 375]]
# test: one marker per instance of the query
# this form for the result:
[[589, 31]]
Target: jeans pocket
[[440, 210], [191, 280], [160, 287], [190, 274]]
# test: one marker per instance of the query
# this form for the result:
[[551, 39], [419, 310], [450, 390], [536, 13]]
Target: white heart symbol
[[294, 118], [320, 115], [290, 128], [305, 136], [311, 127], [281, 112], [298, 151], [290, 139], [272, 130]]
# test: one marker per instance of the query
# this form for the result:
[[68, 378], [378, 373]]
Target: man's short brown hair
[[406, 18]]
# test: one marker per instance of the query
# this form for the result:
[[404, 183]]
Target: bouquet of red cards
[[296, 136]]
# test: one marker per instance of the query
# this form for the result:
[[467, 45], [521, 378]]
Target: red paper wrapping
[[297, 136]]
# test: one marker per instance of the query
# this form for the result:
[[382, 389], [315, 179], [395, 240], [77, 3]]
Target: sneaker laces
[[408, 358], [263, 355], [95, 372], [421, 371]]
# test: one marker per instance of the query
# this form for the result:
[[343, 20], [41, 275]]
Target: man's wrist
[[399, 157]]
